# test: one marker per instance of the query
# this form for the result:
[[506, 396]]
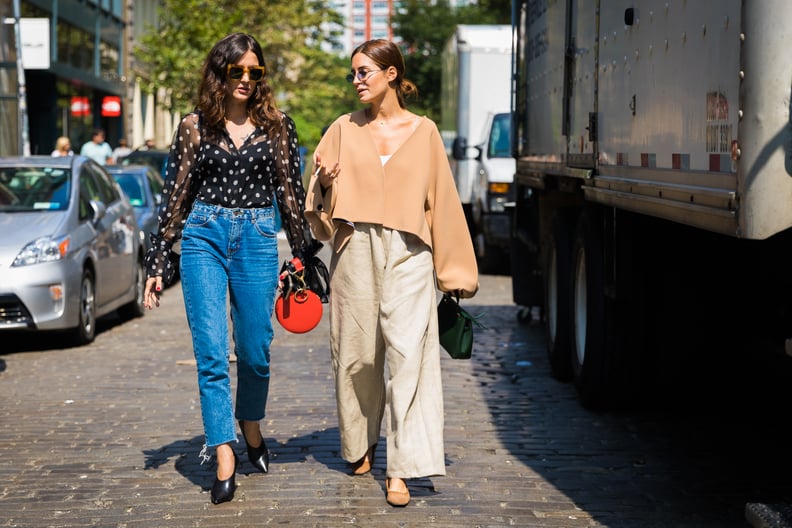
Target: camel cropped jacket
[[412, 192]]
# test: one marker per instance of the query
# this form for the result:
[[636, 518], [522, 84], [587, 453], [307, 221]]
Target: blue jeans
[[230, 251]]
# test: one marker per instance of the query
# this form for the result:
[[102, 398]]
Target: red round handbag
[[298, 309], [299, 312]]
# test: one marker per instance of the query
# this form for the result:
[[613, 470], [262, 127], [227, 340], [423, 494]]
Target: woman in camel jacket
[[383, 193]]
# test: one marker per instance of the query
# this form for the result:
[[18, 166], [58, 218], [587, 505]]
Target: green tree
[[309, 82], [424, 29]]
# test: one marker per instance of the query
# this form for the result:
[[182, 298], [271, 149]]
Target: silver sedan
[[70, 248]]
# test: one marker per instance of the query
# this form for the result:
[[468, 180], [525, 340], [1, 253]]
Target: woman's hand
[[151, 294], [324, 175]]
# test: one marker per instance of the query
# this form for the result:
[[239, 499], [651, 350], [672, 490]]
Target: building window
[[75, 47], [108, 55]]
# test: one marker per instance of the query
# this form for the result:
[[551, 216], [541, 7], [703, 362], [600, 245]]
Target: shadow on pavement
[[322, 446], [696, 445]]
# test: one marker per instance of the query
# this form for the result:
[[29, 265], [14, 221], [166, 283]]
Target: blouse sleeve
[[290, 193], [178, 195]]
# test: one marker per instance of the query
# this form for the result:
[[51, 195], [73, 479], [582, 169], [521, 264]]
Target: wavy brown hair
[[385, 54], [261, 106]]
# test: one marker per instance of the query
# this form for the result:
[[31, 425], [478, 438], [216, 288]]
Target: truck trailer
[[653, 186], [476, 126]]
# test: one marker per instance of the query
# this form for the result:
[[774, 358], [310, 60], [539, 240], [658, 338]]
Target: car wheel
[[86, 327], [135, 308]]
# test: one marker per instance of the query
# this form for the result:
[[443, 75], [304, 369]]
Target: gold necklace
[[371, 119], [242, 131]]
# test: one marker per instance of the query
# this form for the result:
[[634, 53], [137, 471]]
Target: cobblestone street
[[109, 435]]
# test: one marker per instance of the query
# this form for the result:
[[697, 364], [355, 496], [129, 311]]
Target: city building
[[78, 73], [363, 20]]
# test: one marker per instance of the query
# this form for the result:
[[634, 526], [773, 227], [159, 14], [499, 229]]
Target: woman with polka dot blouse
[[230, 158]]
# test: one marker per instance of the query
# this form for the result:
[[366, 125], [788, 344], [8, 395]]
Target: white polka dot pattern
[[218, 173]]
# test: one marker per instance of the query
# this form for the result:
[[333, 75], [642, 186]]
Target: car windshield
[[34, 188], [152, 158], [133, 187]]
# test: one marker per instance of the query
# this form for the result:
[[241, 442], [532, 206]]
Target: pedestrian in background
[[392, 210], [147, 145], [98, 149], [62, 147], [121, 150], [230, 158]]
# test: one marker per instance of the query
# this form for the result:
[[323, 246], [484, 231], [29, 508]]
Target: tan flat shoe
[[363, 466], [397, 498]]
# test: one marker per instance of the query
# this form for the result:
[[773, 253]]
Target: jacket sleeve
[[320, 203], [452, 247]]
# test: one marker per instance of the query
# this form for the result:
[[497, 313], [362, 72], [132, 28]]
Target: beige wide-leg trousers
[[383, 312]]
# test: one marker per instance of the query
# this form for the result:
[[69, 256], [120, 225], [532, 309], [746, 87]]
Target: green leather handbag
[[455, 327]]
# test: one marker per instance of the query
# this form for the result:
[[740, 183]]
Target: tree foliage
[[425, 27], [309, 82]]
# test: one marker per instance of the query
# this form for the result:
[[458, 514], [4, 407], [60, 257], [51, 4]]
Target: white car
[[70, 248]]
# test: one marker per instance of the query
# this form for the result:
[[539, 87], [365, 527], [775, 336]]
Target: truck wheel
[[86, 327], [591, 313], [557, 286]]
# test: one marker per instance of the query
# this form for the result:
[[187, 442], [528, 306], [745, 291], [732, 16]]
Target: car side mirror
[[461, 151], [458, 148], [98, 211]]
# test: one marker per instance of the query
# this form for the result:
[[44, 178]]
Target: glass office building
[[83, 86]]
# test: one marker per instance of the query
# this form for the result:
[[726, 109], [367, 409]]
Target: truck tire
[[557, 285], [591, 313]]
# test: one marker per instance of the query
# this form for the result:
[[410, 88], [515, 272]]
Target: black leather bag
[[313, 275], [455, 327], [317, 278]]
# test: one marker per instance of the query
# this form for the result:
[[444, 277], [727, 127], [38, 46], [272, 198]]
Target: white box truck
[[653, 183], [475, 123]]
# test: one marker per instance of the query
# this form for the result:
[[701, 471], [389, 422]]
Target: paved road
[[109, 434]]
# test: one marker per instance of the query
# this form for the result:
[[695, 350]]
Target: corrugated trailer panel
[[765, 140], [648, 103]]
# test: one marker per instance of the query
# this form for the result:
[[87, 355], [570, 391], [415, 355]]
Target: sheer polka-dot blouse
[[218, 173]]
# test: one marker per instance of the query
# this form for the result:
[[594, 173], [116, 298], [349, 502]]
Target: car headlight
[[44, 249]]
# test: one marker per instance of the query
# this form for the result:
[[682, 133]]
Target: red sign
[[80, 106], [111, 106]]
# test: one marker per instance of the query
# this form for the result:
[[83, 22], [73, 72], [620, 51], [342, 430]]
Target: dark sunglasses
[[361, 75], [255, 73]]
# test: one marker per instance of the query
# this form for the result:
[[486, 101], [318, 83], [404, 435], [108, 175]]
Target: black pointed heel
[[223, 490], [258, 456]]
